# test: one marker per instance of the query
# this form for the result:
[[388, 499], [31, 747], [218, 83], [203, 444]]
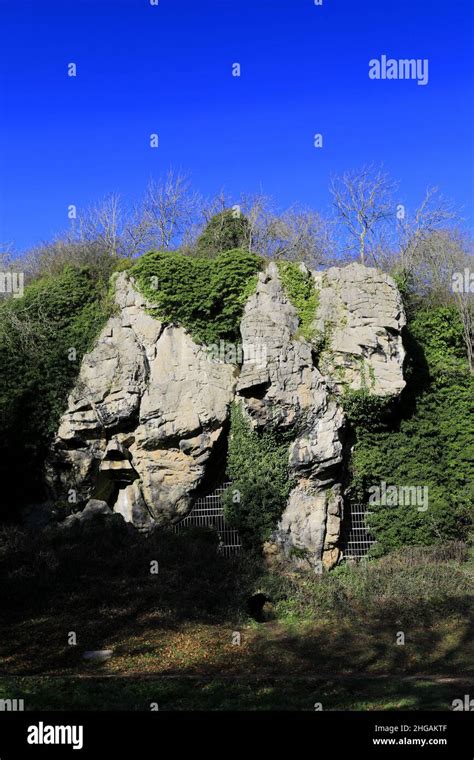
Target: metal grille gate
[[208, 512], [357, 539]]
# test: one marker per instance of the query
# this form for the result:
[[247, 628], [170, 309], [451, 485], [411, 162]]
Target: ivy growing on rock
[[428, 440], [258, 467], [205, 296], [299, 287], [43, 337], [365, 410]]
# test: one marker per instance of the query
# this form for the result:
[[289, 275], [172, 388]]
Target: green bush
[[206, 296], [123, 265], [258, 467], [428, 441], [224, 232], [299, 286], [406, 582], [43, 337], [365, 410]]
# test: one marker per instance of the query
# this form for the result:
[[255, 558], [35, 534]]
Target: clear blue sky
[[167, 69]]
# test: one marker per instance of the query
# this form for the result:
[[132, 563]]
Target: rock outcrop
[[359, 323], [148, 418], [289, 391]]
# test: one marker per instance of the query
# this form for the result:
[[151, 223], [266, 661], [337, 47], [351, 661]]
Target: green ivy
[[427, 441], [38, 369], [205, 296], [300, 289], [258, 467], [364, 410]]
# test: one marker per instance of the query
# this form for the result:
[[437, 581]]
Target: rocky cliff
[[146, 424]]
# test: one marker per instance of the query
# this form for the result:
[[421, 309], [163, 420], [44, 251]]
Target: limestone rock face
[[142, 421], [290, 392], [359, 322], [148, 418], [94, 509], [182, 414]]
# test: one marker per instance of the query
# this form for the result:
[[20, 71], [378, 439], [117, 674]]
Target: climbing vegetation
[[427, 441], [205, 296], [258, 467], [43, 337], [299, 286]]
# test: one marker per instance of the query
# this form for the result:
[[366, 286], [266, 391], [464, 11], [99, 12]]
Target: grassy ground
[[175, 694], [150, 646], [335, 640]]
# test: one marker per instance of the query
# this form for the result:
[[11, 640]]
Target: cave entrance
[[208, 512], [356, 538]]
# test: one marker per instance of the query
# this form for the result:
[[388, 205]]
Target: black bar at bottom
[[156, 734]]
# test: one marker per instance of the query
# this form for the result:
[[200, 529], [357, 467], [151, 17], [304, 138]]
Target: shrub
[[123, 265], [258, 467], [428, 442], [38, 368], [225, 231], [411, 580], [205, 296], [105, 563], [364, 410]]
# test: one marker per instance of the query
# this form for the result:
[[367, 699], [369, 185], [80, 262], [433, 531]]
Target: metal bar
[[357, 539], [208, 511]]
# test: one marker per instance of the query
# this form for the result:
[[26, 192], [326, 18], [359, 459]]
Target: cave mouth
[[256, 607], [109, 483]]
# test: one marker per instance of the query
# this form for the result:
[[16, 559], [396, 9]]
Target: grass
[[241, 694], [152, 646], [334, 636]]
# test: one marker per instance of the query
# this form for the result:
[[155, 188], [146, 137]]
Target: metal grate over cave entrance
[[208, 512], [356, 537]]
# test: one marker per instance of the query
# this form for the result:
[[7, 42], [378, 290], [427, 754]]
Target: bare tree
[[168, 209], [297, 233], [214, 206], [257, 209], [434, 214], [104, 224], [136, 237], [465, 304], [439, 275], [112, 229], [362, 200], [7, 259]]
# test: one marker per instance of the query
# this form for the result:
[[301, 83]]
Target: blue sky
[[143, 69]]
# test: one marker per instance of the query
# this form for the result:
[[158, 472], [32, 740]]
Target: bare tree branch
[[362, 201]]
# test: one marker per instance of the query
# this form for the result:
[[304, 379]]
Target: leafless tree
[[442, 258], [7, 259], [167, 210], [112, 229], [214, 206], [434, 214], [465, 304], [363, 203], [297, 233], [102, 224], [257, 209]]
